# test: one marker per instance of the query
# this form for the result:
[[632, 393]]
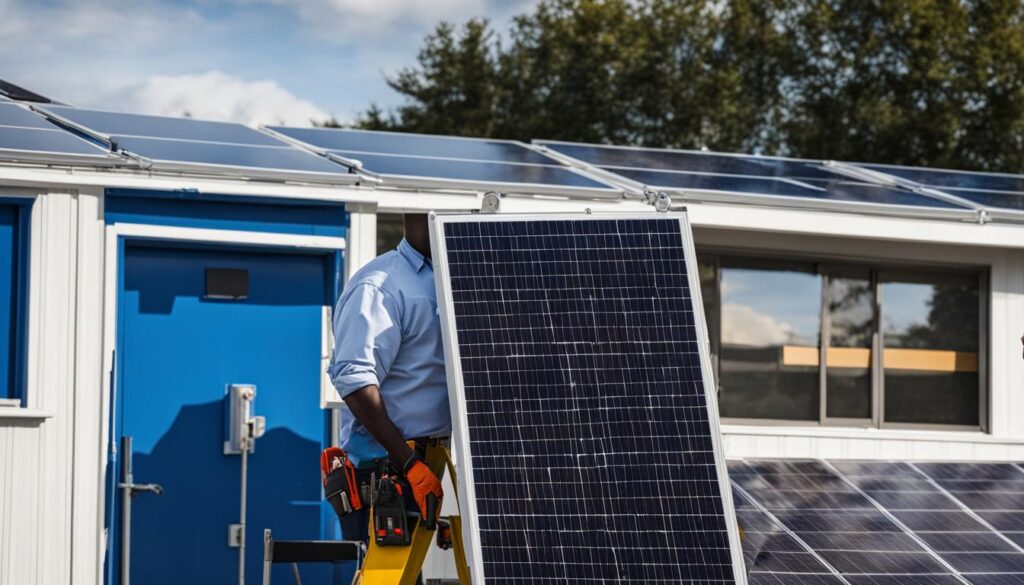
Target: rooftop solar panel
[[993, 491], [850, 532], [416, 168], [416, 160], [771, 554], [26, 136], [801, 182], [362, 141], [589, 448], [116, 124], [624, 157], [1000, 191], [189, 145], [957, 536]]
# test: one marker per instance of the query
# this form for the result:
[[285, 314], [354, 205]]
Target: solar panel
[[402, 144], [751, 176], [994, 491], [417, 160], [1014, 201], [579, 376], [839, 523], [188, 145], [16, 92], [26, 136], [771, 554], [697, 162], [968, 545], [988, 189]]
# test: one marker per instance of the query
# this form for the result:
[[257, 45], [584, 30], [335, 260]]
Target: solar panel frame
[[460, 427], [603, 190], [328, 171]]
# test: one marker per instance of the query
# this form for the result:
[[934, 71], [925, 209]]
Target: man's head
[[417, 232]]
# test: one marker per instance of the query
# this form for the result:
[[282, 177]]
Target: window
[[843, 344], [770, 322], [13, 263], [930, 332]]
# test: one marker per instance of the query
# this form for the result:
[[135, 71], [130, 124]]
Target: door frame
[[116, 238]]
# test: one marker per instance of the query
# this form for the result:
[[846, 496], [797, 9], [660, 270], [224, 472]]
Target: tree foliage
[[923, 82]]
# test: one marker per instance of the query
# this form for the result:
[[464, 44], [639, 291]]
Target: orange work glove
[[426, 491]]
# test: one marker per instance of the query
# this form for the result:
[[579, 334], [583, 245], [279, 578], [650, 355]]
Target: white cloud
[[217, 96], [346, 21], [743, 325]]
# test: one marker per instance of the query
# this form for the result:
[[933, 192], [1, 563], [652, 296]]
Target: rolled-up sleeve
[[367, 334]]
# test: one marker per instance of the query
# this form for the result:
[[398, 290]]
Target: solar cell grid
[[959, 538], [589, 435], [847, 529], [770, 552]]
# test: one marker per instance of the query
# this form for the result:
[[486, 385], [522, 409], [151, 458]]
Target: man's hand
[[426, 490]]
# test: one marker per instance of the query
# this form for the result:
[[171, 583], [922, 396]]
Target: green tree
[[923, 82]]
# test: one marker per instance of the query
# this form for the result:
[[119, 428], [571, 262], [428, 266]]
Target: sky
[[250, 61]]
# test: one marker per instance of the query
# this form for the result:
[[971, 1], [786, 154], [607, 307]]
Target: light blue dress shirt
[[387, 332]]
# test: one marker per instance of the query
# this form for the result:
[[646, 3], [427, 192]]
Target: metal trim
[[826, 205]]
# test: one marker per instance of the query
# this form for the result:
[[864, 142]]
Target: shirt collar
[[414, 258]]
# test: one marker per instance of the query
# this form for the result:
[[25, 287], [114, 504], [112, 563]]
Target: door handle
[[135, 488]]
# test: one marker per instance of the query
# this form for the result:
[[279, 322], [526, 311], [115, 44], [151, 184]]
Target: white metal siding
[[48, 514]]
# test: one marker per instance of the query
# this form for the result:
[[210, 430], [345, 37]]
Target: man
[[388, 366]]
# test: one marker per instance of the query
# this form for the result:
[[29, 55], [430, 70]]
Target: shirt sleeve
[[367, 334]]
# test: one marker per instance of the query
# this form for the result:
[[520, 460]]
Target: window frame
[[877, 270], [16, 395]]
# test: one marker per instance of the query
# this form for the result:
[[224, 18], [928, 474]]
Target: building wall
[[1005, 439], [50, 453]]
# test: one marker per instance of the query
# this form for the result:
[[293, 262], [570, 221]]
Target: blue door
[[179, 347]]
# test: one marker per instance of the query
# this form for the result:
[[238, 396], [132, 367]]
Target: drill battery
[[390, 520]]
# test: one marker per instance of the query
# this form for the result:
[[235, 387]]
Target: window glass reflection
[[770, 326], [931, 337], [851, 326]]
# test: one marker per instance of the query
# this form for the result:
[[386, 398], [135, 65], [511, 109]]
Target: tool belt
[[384, 490]]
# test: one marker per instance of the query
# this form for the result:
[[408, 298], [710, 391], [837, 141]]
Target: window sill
[[869, 433], [30, 414]]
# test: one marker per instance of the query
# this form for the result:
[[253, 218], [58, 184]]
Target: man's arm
[[368, 407]]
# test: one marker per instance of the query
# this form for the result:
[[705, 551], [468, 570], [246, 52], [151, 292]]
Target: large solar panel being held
[[772, 179], [189, 145], [27, 137], [424, 161], [584, 414]]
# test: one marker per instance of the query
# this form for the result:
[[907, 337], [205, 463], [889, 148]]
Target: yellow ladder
[[400, 565]]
